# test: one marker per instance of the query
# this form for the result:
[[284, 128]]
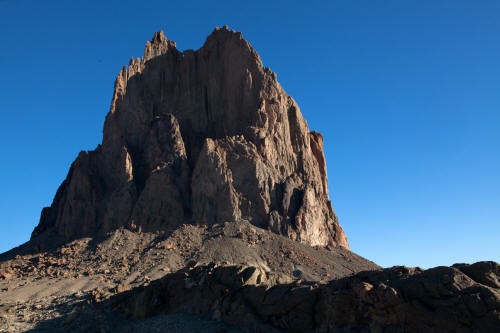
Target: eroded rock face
[[204, 136]]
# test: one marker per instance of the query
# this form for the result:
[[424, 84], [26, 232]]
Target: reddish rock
[[202, 136]]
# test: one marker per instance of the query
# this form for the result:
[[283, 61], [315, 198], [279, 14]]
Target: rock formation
[[211, 198], [465, 298], [202, 137]]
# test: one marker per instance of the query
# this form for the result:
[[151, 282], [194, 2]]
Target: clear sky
[[406, 94]]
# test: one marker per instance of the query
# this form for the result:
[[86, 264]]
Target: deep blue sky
[[406, 94]]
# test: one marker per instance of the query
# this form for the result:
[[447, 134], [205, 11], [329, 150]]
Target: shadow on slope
[[397, 299]]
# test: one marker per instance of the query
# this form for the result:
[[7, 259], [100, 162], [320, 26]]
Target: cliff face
[[202, 137]]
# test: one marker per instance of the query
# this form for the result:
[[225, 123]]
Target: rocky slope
[[203, 137], [69, 285], [227, 297]]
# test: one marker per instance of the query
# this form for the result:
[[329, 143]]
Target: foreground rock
[[398, 299], [204, 136], [221, 297]]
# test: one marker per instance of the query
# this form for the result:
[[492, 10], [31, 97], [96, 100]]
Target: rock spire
[[201, 137]]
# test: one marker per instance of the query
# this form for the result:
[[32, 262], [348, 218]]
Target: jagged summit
[[158, 46], [158, 38], [201, 137]]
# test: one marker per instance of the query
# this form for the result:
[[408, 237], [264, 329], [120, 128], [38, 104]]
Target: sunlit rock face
[[200, 137]]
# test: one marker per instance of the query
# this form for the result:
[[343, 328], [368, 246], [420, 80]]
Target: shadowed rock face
[[205, 137], [397, 299]]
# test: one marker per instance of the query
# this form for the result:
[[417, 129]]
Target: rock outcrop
[[202, 137], [397, 299]]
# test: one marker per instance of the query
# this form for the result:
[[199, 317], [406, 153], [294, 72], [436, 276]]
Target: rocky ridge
[[398, 299], [201, 137]]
